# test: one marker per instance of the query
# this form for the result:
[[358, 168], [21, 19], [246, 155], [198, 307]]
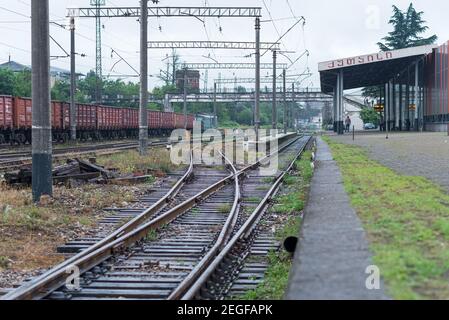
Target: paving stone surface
[[417, 154], [333, 255]]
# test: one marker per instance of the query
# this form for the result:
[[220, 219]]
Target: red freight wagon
[[66, 115], [57, 111], [179, 121], [168, 120], [133, 118], [190, 120], [86, 116], [154, 119], [108, 118], [126, 118], [22, 113], [6, 114], [101, 118], [116, 115]]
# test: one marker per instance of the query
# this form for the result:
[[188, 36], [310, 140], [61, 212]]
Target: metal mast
[[41, 130], [98, 65]]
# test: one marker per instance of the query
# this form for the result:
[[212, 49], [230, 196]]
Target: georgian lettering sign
[[375, 57]]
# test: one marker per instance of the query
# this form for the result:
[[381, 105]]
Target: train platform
[[423, 154], [333, 255]]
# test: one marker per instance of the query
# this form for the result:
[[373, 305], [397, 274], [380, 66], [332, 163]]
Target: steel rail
[[219, 243], [243, 233], [40, 282], [196, 274], [52, 280]]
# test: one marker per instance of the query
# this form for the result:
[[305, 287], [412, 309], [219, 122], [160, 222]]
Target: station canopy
[[371, 69]]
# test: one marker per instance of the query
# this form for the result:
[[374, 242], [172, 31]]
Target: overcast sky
[[333, 29]]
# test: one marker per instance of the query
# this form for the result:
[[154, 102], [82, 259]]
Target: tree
[[408, 26], [61, 91], [369, 115], [6, 82]]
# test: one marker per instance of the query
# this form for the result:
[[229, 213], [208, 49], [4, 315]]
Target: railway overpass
[[209, 97]]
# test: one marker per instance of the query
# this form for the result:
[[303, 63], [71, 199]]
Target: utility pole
[[257, 91], [274, 109], [206, 80], [175, 58], [167, 76], [185, 99], [99, 66], [143, 119], [285, 102], [42, 182], [215, 106], [293, 109], [72, 81]]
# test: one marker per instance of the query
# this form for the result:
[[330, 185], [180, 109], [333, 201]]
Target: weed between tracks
[[407, 222], [130, 162], [289, 208]]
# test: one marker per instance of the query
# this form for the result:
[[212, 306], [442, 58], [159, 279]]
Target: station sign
[[375, 57]]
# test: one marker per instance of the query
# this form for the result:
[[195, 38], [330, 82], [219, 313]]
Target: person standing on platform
[[348, 123]]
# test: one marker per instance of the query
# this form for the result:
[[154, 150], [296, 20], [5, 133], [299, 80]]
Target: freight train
[[94, 122]]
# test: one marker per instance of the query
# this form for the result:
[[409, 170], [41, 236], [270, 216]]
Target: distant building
[[55, 73], [193, 80]]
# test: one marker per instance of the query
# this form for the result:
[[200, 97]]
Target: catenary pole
[[73, 116], [274, 109], [257, 90], [143, 119], [42, 183]]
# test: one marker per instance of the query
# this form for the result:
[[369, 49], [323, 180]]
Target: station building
[[413, 86]]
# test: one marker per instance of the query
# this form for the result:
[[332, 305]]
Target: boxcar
[[60, 121], [130, 121], [179, 121], [6, 118], [168, 122], [190, 121], [22, 120], [87, 121], [155, 122]]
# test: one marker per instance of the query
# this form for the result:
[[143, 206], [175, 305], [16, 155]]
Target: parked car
[[370, 126]]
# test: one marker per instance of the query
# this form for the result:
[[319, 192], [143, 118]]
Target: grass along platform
[[407, 222]]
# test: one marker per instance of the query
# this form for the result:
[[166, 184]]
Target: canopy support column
[[417, 100], [340, 105], [334, 110]]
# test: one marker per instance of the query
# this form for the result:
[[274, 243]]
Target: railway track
[[196, 233], [15, 160]]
